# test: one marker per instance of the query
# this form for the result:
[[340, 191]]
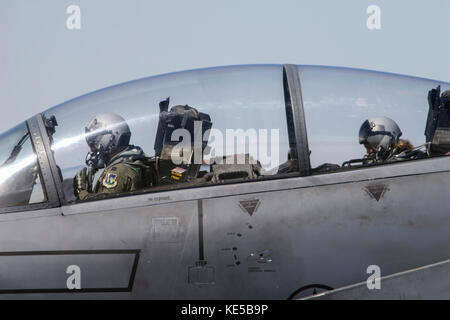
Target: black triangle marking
[[249, 206], [376, 191]]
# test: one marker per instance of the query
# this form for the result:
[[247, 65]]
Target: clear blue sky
[[42, 63]]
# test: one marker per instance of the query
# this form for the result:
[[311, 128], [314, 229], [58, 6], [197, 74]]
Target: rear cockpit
[[338, 101]]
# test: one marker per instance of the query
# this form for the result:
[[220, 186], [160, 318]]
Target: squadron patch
[[110, 180]]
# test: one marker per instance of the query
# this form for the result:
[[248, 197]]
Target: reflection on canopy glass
[[338, 101], [245, 100], [19, 172]]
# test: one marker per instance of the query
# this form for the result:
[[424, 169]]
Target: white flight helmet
[[107, 132], [379, 133]]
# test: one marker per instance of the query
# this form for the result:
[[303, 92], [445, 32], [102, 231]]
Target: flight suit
[[117, 178], [121, 175]]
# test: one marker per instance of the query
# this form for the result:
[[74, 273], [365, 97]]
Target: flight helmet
[[107, 132], [379, 133]]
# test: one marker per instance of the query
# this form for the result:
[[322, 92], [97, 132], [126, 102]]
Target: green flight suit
[[121, 175], [118, 178]]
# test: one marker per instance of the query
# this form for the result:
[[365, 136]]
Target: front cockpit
[[187, 124]]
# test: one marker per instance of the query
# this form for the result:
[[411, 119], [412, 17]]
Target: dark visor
[[364, 132]]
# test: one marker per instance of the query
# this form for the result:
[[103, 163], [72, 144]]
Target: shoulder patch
[[110, 180]]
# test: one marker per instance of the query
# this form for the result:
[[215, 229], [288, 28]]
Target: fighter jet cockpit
[[236, 182], [194, 128], [220, 126]]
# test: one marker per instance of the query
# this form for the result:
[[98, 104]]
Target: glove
[[79, 182]]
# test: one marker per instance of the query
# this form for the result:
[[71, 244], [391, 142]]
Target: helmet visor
[[93, 137], [364, 132]]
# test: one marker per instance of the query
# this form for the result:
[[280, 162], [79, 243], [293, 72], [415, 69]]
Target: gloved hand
[[80, 182]]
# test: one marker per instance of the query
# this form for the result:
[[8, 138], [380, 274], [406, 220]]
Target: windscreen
[[19, 171]]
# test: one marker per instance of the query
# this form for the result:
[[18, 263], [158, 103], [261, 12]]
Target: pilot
[[381, 138], [108, 137]]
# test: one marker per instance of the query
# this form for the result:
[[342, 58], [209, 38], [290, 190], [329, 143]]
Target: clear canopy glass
[[337, 101], [19, 171], [246, 98]]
